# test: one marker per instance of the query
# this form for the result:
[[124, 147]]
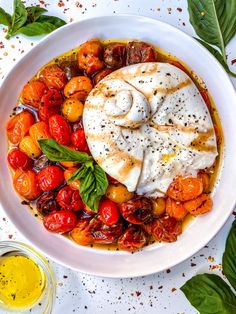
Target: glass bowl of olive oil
[[27, 282]]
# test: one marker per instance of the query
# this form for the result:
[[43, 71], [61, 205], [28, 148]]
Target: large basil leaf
[[56, 21], [36, 29], [19, 16], [34, 13], [5, 18], [229, 257], [214, 21], [218, 56], [209, 294]]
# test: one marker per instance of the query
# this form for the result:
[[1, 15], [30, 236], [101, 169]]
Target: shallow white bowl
[[155, 257]]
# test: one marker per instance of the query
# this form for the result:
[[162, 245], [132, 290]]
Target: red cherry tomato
[[108, 211], [79, 141], [60, 129], [60, 221], [26, 184], [50, 178], [69, 199], [53, 76], [18, 159], [50, 104]]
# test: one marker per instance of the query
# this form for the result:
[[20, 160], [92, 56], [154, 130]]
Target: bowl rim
[[231, 205]]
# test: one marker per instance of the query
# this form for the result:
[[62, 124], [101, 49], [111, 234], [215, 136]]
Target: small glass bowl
[[45, 303]]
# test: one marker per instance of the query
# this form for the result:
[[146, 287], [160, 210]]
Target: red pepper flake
[[234, 213], [4, 219], [183, 274], [138, 293], [1, 45], [173, 289], [233, 61], [168, 271], [65, 276], [60, 3], [78, 5], [179, 9], [160, 287], [193, 264], [10, 236]]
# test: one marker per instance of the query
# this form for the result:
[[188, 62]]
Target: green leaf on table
[[5, 18], [36, 29], [218, 56], [229, 257], [34, 13], [19, 16], [209, 294], [214, 21], [54, 20]]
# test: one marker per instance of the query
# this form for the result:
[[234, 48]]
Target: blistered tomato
[[53, 76], [32, 93], [79, 141], [60, 221], [108, 211], [50, 104], [78, 87], [50, 178], [60, 129], [18, 159], [26, 184], [69, 199]]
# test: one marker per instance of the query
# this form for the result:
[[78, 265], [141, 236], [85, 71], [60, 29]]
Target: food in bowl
[[115, 143]]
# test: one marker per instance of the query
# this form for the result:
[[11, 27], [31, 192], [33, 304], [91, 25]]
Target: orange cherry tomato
[[175, 209], [67, 174], [78, 87], [19, 125], [39, 131], [185, 188], [50, 104], [200, 205], [53, 76], [26, 184], [79, 141], [32, 93]]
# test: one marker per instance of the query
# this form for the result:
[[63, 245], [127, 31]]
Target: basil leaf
[[209, 294], [229, 257], [214, 21], [34, 13], [56, 21], [57, 152], [19, 16], [36, 29], [5, 18], [218, 56]]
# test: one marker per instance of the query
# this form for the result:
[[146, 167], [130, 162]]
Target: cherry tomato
[[118, 193], [79, 141], [205, 181], [100, 75], [32, 93], [138, 52], [81, 234], [60, 221], [67, 174], [60, 129], [26, 184], [30, 147], [166, 229], [108, 211], [39, 131], [18, 159], [50, 178], [136, 211], [69, 199], [50, 104], [18, 126], [132, 239], [46, 203], [78, 88], [53, 76], [104, 234], [175, 209], [200, 205]]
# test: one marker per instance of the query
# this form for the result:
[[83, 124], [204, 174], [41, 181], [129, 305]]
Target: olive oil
[[21, 282]]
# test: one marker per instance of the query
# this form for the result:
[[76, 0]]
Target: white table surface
[[79, 293]]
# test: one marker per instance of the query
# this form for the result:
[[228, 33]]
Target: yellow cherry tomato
[[30, 147], [159, 206], [72, 109], [118, 193]]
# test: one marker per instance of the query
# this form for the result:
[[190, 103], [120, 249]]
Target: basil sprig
[[209, 293], [214, 21], [93, 180], [29, 20]]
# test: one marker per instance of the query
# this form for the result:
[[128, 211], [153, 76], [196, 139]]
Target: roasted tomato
[[30, 147], [115, 55], [133, 239], [72, 109], [78, 87], [26, 184], [89, 56], [70, 67], [60, 221], [67, 174], [18, 126], [136, 211], [166, 229], [32, 93], [53, 76], [200, 205], [118, 193], [100, 75], [18, 159], [46, 203], [138, 52], [60, 129], [69, 199], [50, 104], [158, 206], [39, 131], [185, 188], [50, 178], [108, 211], [79, 141], [81, 234], [104, 234], [175, 209]]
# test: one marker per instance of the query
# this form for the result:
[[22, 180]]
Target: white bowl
[[156, 257]]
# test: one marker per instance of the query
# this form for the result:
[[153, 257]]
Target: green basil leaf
[[218, 56], [19, 16], [214, 21], [229, 257], [36, 29], [56, 21], [101, 180], [209, 294], [5, 18], [57, 152], [34, 13]]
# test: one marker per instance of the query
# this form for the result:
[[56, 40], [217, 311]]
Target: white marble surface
[[79, 293]]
